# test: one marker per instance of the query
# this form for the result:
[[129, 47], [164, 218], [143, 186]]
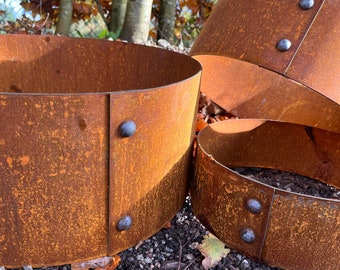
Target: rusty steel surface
[[246, 73], [75, 182], [289, 226]]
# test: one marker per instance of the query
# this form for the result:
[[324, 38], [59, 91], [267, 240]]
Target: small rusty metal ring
[[285, 220], [66, 173]]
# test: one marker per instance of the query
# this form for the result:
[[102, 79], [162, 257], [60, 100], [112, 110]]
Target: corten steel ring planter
[[95, 145], [281, 228], [274, 60]]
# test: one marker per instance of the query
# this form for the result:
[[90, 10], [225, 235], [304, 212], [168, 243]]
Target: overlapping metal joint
[[277, 62], [82, 171]]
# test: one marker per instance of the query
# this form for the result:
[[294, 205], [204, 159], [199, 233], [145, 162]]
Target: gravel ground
[[176, 249]]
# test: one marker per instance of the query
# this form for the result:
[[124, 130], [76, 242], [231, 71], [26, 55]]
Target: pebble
[[167, 249], [140, 257], [148, 260], [245, 265]]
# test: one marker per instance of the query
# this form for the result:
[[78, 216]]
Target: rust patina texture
[[288, 226], [72, 177], [246, 73]]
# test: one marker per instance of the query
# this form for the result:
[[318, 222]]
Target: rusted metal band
[[290, 230], [248, 73], [88, 165]]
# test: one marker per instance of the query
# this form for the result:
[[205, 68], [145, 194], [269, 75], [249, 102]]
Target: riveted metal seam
[[304, 37], [267, 225]]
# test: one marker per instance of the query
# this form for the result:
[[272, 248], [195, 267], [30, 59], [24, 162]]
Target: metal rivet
[[284, 45], [306, 4], [247, 235], [127, 129], [254, 206], [124, 223]]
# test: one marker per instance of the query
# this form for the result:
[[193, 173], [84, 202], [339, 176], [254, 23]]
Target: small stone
[[130, 259], [244, 265], [163, 43], [140, 257], [189, 257], [147, 260], [239, 258], [167, 249]]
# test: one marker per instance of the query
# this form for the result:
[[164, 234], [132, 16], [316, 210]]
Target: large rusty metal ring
[[279, 227], [87, 157], [274, 60]]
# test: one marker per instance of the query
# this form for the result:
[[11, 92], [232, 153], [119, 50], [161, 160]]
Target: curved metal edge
[[51, 65], [249, 31], [250, 91], [290, 226]]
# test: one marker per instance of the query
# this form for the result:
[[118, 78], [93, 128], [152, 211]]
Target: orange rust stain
[[2, 142], [10, 162], [3, 103], [24, 160]]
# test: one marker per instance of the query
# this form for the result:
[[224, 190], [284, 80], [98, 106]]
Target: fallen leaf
[[105, 263], [213, 250]]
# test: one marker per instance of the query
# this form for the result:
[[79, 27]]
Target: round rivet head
[[247, 235], [306, 4], [127, 129], [124, 223], [284, 45], [254, 206]]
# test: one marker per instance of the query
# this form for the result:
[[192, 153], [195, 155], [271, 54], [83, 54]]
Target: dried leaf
[[105, 263], [213, 250]]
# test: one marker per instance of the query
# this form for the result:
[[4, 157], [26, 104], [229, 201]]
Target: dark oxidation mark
[[309, 131], [322, 155], [47, 39], [82, 124], [15, 88], [58, 71]]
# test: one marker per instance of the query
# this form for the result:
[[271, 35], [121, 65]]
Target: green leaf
[[213, 250]]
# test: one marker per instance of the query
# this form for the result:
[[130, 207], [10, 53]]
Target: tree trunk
[[167, 19], [65, 17], [137, 19], [117, 16]]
